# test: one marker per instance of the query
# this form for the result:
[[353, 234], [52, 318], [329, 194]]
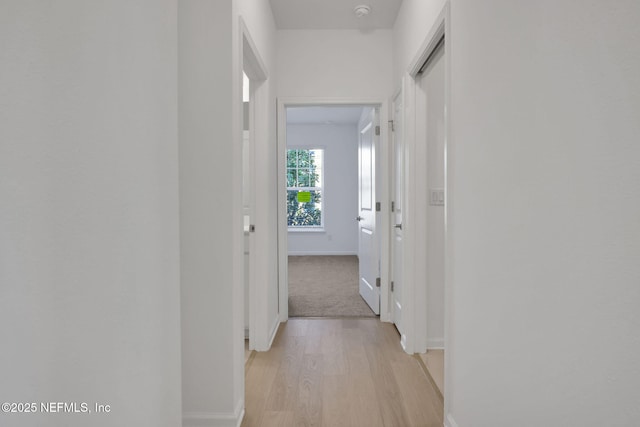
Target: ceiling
[[323, 115], [333, 14]]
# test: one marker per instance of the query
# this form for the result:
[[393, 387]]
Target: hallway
[[338, 372], [122, 279]]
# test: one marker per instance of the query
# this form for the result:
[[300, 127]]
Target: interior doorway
[[328, 204]]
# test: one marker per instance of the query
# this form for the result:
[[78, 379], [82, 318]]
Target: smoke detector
[[362, 10]]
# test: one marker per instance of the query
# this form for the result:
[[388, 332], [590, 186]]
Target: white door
[[367, 237], [397, 188]]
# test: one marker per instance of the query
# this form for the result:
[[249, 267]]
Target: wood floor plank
[[308, 412], [335, 405], [363, 401], [296, 327], [260, 376], [277, 419], [351, 323], [434, 362], [387, 391], [284, 388], [360, 392], [332, 349], [335, 363], [420, 399], [338, 372], [356, 356]]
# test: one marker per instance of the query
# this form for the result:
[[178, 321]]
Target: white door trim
[[383, 197], [254, 67], [398, 95]]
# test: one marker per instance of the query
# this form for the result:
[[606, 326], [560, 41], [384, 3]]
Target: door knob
[[359, 218], [399, 226]]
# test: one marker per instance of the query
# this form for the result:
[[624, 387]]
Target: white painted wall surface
[[546, 207], [413, 23], [210, 131], [334, 63], [210, 234], [89, 262], [340, 144], [545, 198]]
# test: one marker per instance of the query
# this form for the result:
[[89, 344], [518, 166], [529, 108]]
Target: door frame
[[253, 66], [414, 246], [383, 197], [398, 94]]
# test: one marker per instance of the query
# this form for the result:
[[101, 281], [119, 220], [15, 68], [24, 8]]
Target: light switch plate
[[436, 197]]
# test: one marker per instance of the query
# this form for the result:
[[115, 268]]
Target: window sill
[[306, 230]]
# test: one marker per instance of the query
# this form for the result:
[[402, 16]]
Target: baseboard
[[318, 253], [435, 344], [449, 421], [274, 331], [240, 417], [403, 342], [214, 419]]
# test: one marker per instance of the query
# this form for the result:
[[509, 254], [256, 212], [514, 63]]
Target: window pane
[[303, 178], [313, 155], [303, 158], [292, 178], [314, 179], [304, 214], [317, 161], [304, 171], [292, 156]]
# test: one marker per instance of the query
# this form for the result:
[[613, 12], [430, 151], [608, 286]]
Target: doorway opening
[[255, 137], [330, 243]]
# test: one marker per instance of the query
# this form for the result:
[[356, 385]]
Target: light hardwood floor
[[247, 352], [434, 363], [338, 372]]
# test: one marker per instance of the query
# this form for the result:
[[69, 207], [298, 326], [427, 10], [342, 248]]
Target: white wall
[[89, 268], [207, 233], [415, 19], [334, 63], [210, 131], [545, 200], [340, 144]]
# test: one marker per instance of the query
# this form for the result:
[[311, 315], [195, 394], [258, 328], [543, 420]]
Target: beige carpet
[[325, 286]]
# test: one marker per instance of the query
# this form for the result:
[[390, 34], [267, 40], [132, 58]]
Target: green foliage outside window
[[304, 174]]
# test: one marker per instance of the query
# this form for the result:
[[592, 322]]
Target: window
[[304, 188]]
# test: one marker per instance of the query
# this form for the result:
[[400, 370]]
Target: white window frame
[[310, 228]]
